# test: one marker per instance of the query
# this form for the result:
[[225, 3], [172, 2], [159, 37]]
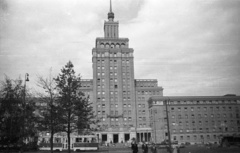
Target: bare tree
[[49, 120]]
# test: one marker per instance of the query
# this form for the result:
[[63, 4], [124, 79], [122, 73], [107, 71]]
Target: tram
[[60, 142]]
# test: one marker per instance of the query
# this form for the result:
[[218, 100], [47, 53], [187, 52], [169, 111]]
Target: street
[[188, 149]]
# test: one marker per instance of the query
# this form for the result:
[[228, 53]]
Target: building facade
[[201, 119], [134, 108], [119, 100]]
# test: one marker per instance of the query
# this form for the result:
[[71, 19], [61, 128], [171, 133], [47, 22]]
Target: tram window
[[78, 139], [58, 140]]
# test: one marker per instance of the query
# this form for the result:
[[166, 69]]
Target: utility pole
[[168, 128]]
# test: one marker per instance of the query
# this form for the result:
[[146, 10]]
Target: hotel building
[[119, 100], [131, 108]]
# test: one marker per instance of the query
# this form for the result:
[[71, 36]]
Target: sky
[[192, 47]]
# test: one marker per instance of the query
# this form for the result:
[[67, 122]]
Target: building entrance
[[115, 138], [126, 137], [104, 137]]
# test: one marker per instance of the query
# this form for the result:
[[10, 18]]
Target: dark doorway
[[104, 137], [126, 137], [115, 138]]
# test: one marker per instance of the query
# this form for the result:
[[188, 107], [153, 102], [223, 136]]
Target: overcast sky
[[191, 46]]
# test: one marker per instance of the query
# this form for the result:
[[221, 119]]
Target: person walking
[[175, 150], [134, 147], [145, 147], [178, 149], [154, 148]]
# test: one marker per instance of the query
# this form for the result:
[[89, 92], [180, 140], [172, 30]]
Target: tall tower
[[113, 84]]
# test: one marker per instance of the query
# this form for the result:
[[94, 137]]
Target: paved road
[[189, 149]]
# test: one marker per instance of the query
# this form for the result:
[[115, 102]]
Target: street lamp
[[154, 122], [25, 80], [24, 106], [222, 126], [168, 127]]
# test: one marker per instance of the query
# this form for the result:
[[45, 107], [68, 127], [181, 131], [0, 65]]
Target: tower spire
[[110, 5], [110, 14]]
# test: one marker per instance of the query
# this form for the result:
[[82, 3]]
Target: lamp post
[[24, 107], [154, 121], [168, 127], [25, 80], [222, 126]]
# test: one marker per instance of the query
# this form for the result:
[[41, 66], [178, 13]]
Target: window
[[195, 137], [199, 115], [179, 116]]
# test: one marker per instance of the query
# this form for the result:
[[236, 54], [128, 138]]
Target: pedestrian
[[145, 147], [134, 147], [178, 149], [154, 148], [175, 150]]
